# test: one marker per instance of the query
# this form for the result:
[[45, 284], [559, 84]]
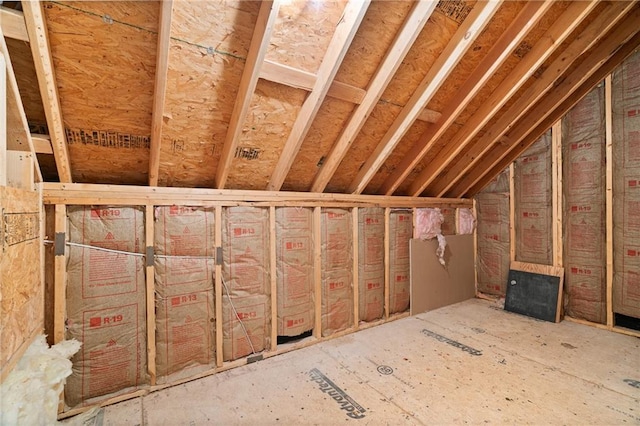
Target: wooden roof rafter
[[39, 41], [601, 60], [501, 49], [160, 89], [464, 37], [257, 51], [342, 38], [404, 40], [559, 31], [588, 38]]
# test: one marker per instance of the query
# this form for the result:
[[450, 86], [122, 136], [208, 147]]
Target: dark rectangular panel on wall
[[626, 187], [492, 205], [532, 181], [583, 155]]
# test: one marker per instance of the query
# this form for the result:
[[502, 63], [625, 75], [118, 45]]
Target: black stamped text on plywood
[[20, 227]]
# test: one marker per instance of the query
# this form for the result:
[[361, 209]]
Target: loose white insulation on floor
[[469, 363], [31, 392]]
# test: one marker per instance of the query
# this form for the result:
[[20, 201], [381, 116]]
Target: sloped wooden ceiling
[[406, 98]]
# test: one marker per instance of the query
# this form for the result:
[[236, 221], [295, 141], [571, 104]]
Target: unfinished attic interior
[[382, 208]]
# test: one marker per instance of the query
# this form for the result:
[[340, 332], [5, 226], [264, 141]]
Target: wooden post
[[387, 265], [356, 271], [474, 209], [317, 270], [609, 196], [218, 286], [273, 275], [151, 286], [60, 281], [556, 190], [512, 213]]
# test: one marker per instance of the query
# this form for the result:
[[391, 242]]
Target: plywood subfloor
[[421, 370]]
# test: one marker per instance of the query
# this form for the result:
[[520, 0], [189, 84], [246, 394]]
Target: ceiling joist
[[589, 37], [257, 51], [37, 29], [342, 38], [501, 49], [464, 37]]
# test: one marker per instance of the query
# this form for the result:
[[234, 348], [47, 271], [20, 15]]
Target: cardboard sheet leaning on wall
[[583, 154], [493, 246], [400, 233], [370, 263], [246, 300], [626, 187], [106, 306], [337, 270], [184, 277], [294, 266]]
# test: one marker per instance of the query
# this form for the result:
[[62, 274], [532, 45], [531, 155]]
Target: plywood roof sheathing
[[13, 25], [345, 31], [455, 50], [509, 40], [160, 89], [257, 51], [37, 29], [589, 37], [623, 40], [410, 31], [560, 30]]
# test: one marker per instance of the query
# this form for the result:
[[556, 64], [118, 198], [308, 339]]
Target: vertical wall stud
[[356, 272], [512, 213], [151, 285], [387, 265], [273, 276], [60, 280], [609, 195], [218, 286], [317, 270], [556, 188]]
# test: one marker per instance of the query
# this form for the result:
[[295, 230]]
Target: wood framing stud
[[39, 41], [12, 24], [273, 277], [257, 51], [609, 196], [556, 190], [160, 89], [443, 66], [3, 120], [150, 294], [403, 42], [218, 288], [345, 31], [317, 271], [356, 270]]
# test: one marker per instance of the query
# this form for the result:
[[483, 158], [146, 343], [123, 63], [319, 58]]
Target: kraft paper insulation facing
[[31, 392], [106, 308], [294, 267], [533, 194], [400, 233], [370, 263], [184, 277], [246, 300], [626, 187], [492, 205], [337, 270], [583, 156]]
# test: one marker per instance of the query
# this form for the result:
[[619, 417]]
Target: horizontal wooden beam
[[41, 144], [87, 194], [13, 25]]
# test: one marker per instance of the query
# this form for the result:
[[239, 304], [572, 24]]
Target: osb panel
[[432, 40], [377, 31], [22, 303], [99, 164], [104, 68], [206, 59], [325, 130], [303, 32], [371, 133], [272, 112], [409, 139], [25, 72]]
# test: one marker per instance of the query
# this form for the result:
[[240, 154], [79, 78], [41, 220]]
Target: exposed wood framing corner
[[13, 25], [599, 63], [406, 37], [500, 51], [160, 89], [522, 109], [558, 32], [37, 29], [446, 62], [257, 51], [346, 29]]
